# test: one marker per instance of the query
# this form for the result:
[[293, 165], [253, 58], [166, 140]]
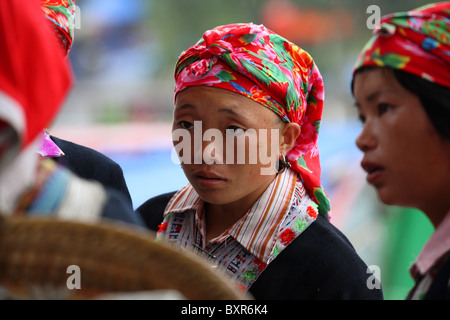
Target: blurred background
[[123, 58]]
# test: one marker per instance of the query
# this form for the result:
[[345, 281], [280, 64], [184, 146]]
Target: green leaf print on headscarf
[[392, 60], [324, 206], [302, 163]]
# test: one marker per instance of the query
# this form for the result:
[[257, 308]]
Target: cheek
[[416, 141], [414, 153], [246, 179], [403, 136], [242, 150]]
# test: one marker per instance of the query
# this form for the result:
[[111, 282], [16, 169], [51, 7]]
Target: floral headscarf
[[35, 77], [417, 41], [61, 13], [253, 61]]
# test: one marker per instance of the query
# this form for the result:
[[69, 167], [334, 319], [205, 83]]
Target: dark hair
[[435, 98]]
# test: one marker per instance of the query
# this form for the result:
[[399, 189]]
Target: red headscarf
[[34, 74], [417, 41]]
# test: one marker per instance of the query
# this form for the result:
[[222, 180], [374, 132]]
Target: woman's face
[[221, 169], [405, 158]]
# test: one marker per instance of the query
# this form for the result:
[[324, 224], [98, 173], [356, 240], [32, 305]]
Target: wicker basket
[[36, 256]]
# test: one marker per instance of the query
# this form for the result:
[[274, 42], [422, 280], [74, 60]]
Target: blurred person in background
[[268, 231], [35, 78], [87, 163], [401, 86]]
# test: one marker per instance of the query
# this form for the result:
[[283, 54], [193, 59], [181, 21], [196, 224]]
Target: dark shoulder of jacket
[[79, 151], [152, 210], [321, 263], [117, 208], [440, 287], [92, 164]]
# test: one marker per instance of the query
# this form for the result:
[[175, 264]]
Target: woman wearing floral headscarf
[[401, 86], [263, 222], [83, 161], [35, 78]]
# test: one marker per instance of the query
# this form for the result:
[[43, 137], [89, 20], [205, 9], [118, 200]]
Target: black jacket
[[440, 288], [90, 164], [319, 264]]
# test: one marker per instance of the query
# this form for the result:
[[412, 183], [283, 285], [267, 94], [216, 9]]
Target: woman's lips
[[374, 176], [209, 180], [374, 171]]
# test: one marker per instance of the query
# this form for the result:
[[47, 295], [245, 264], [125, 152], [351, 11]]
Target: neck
[[437, 204], [437, 213], [220, 217]]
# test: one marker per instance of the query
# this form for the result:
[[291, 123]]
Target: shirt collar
[[434, 249], [258, 229], [48, 148]]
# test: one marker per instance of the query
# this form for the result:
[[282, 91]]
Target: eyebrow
[[186, 106], [229, 111], [190, 106], [374, 95]]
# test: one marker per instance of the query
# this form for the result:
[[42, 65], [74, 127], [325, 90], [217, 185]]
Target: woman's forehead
[[366, 83], [203, 100], [214, 98]]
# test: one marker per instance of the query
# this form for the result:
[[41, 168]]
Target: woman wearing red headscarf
[[264, 222], [83, 161], [35, 78], [401, 85]]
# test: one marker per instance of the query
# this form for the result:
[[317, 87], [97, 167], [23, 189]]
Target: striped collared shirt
[[243, 251], [257, 230]]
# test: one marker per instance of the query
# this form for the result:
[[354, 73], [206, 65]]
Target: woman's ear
[[289, 135]]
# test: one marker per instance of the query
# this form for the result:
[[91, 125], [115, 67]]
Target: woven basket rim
[[112, 256]]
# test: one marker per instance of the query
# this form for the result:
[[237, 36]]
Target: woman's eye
[[383, 107], [362, 118], [185, 125], [234, 130]]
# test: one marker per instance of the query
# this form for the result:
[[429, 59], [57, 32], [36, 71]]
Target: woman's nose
[[209, 147], [212, 149], [366, 139]]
